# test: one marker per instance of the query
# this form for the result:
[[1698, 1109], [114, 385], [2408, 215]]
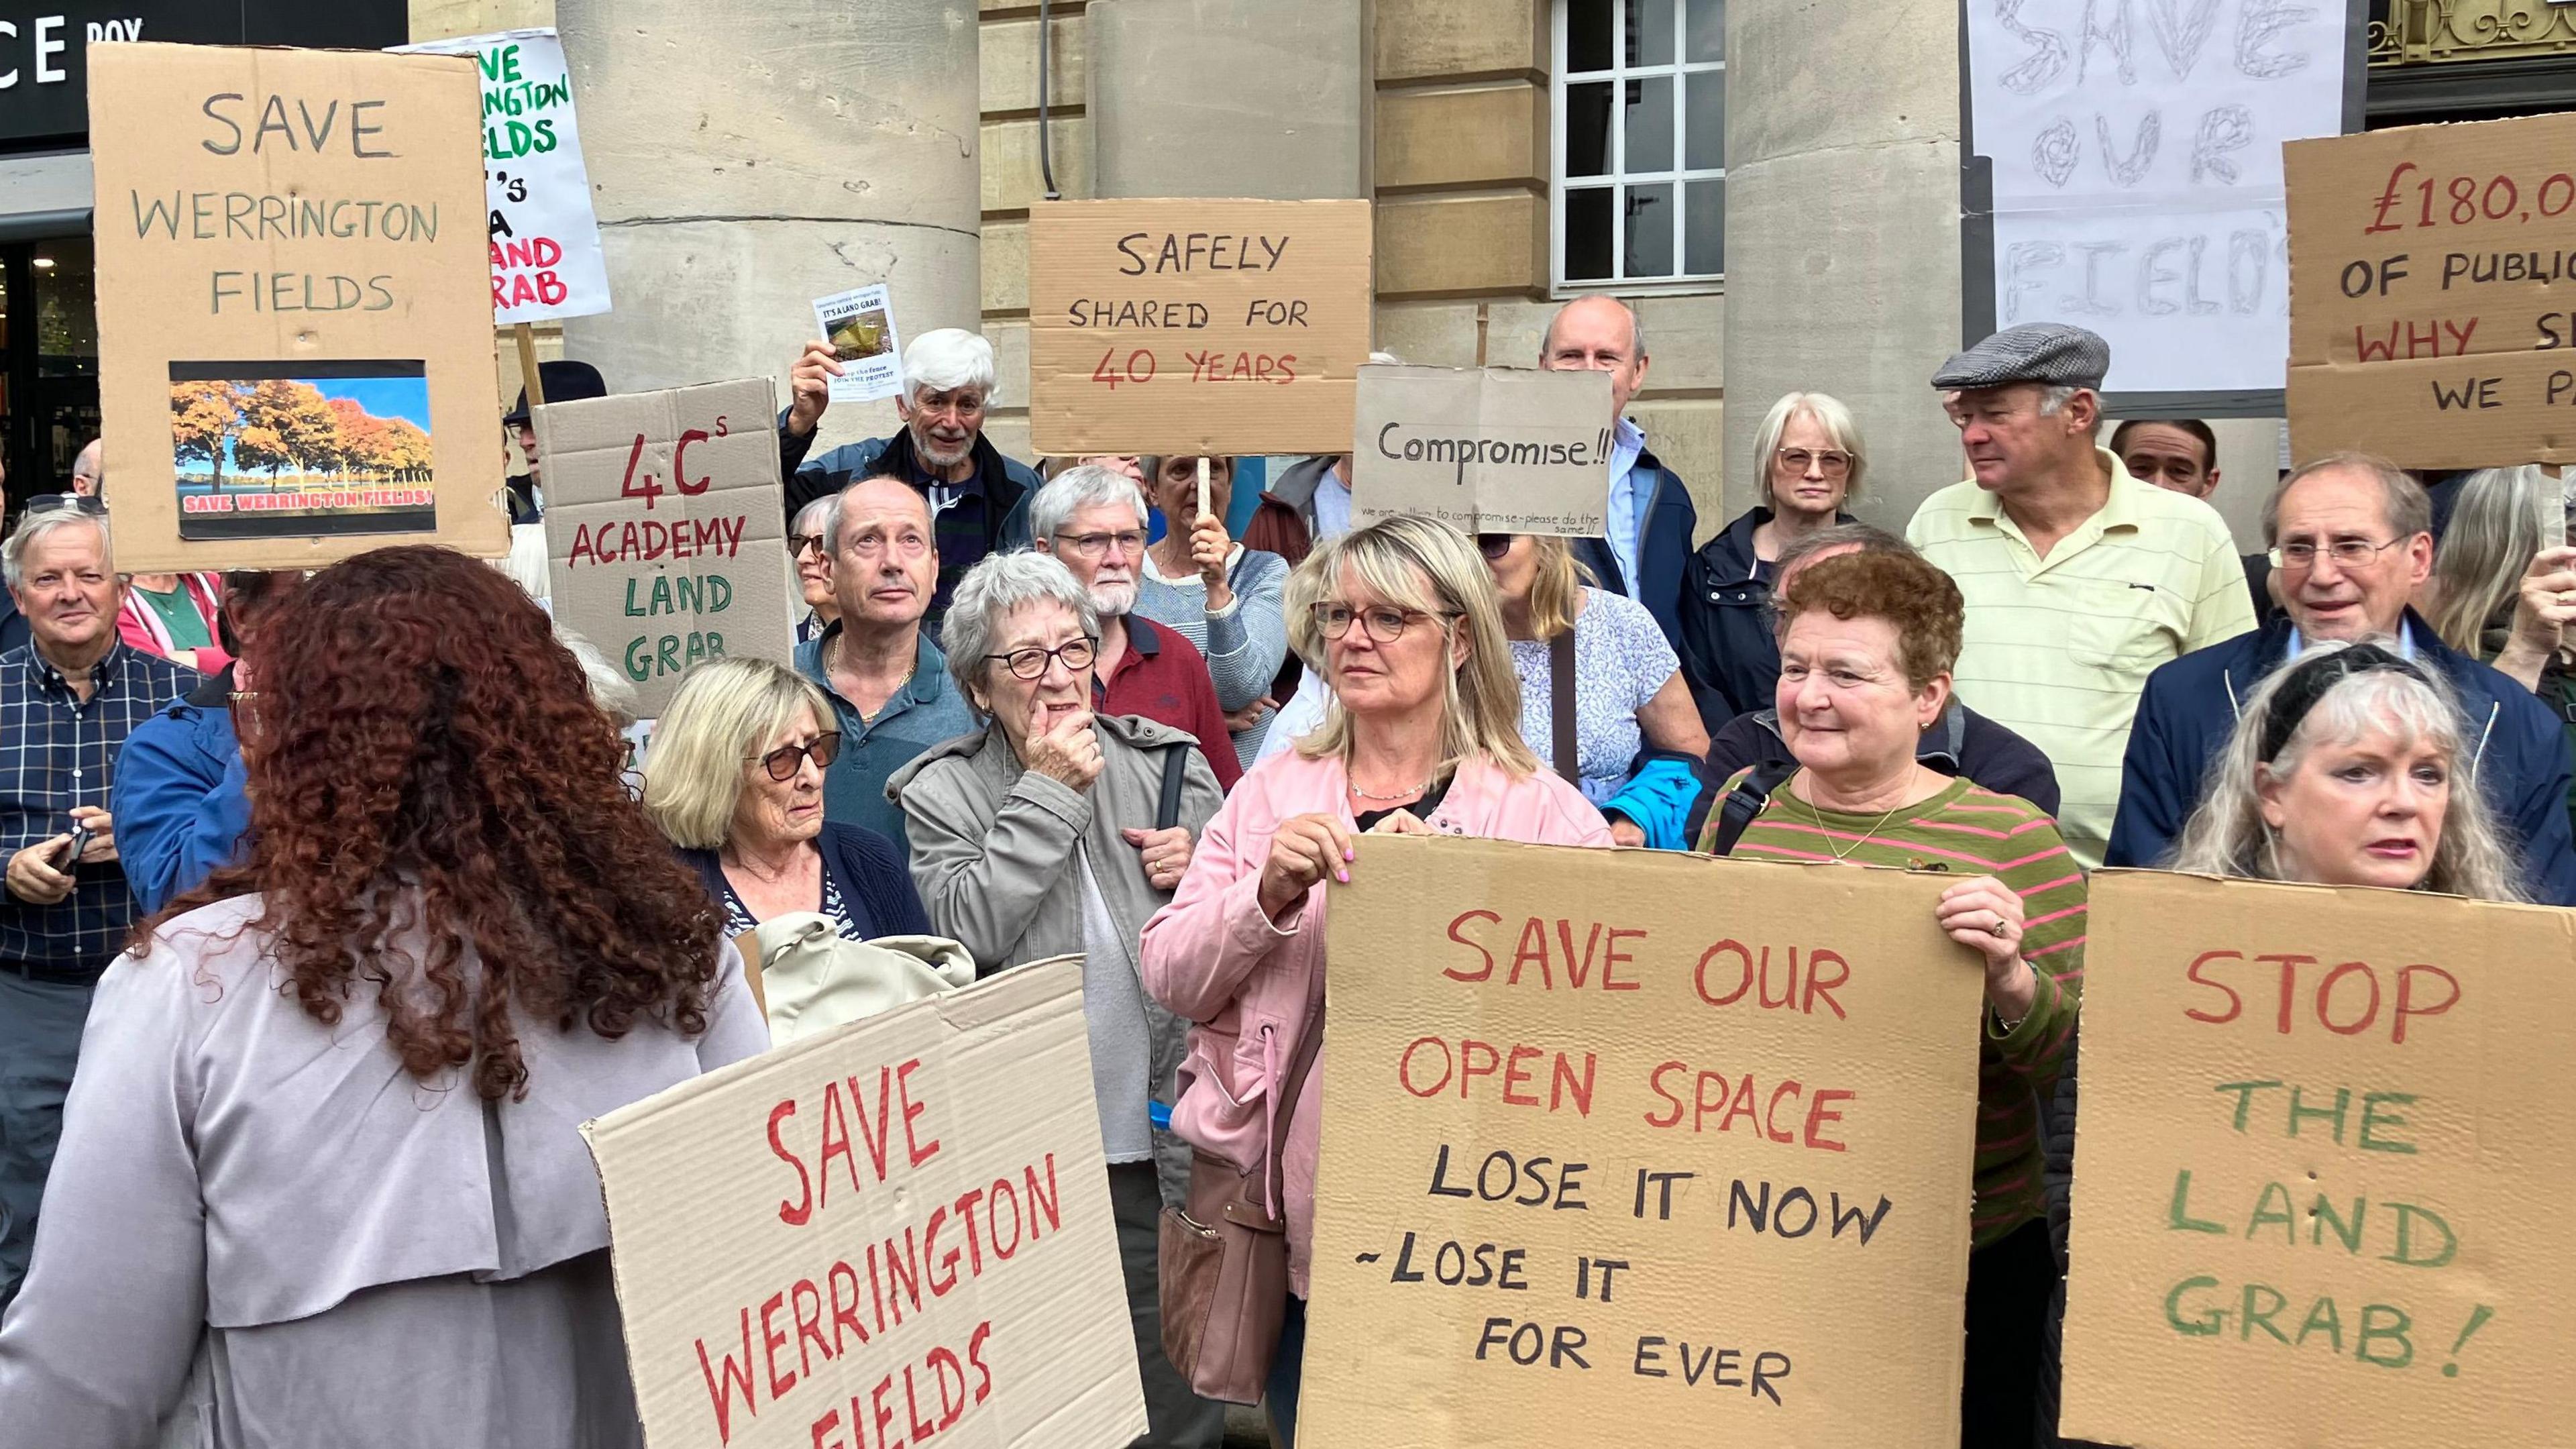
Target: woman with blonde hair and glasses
[[1423, 737], [1629, 696], [2342, 771], [1810, 460], [735, 779]]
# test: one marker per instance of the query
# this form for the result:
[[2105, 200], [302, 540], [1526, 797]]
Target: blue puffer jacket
[[181, 801], [2518, 749]]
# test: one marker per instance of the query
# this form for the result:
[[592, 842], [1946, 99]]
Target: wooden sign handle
[[535, 381], [1203, 485], [1483, 319]]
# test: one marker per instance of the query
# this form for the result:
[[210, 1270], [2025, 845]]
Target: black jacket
[[1964, 743], [876, 889], [1729, 655], [1663, 547], [2517, 747]]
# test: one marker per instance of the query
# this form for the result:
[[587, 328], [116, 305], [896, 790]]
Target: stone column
[[1254, 98], [1842, 231], [746, 158]]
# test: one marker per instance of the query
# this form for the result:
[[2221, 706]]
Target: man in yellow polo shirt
[[2079, 579]]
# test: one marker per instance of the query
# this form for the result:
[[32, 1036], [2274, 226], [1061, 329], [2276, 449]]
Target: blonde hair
[[2494, 534], [2227, 835], [1556, 588], [726, 713], [1422, 564], [1830, 415]]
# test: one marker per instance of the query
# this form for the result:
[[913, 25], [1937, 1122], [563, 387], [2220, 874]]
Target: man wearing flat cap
[[2079, 579]]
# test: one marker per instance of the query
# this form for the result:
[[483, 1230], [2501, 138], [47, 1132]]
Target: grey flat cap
[[2049, 353]]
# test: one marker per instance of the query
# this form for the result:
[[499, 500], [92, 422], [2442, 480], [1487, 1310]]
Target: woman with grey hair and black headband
[[2348, 768]]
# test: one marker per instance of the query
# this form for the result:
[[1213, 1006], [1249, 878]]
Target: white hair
[[945, 359], [612, 691], [35, 525], [2053, 400], [815, 517], [991, 590], [1088, 485]]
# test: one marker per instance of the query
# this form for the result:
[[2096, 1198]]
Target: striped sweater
[[1967, 831]]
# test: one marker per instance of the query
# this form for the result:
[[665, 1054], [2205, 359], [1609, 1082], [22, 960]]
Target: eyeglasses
[[1831, 463], [1384, 622], [1076, 654], [90, 504], [1494, 546], [1096, 545], [798, 543], [781, 763], [2348, 553]]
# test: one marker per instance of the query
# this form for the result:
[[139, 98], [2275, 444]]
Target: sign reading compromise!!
[[1492, 450]]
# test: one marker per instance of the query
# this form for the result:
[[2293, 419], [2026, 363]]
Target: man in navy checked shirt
[[67, 701]]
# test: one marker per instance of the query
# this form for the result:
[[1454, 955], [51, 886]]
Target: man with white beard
[[978, 499], [1093, 519]]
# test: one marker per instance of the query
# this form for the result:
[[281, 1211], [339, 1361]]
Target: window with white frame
[[1640, 143]]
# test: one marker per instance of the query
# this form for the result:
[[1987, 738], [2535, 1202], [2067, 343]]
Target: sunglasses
[[781, 763], [68, 503], [1494, 545]]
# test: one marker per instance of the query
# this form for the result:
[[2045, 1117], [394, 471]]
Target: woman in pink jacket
[[1424, 739]]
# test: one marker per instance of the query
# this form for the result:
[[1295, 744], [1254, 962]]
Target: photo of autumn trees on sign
[[270, 449]]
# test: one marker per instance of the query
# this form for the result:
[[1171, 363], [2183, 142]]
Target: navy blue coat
[[1730, 656], [1663, 547], [2191, 705], [876, 888]]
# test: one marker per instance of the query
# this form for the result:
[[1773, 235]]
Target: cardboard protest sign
[[1492, 450], [860, 326], [664, 544], [2434, 275], [2321, 1135], [2134, 156], [1672, 1148], [1225, 327], [295, 335], [545, 237], [852, 1242]]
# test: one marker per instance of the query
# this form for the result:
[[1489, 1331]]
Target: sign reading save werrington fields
[[2323, 1142], [850, 1242], [294, 317], [1661, 1149]]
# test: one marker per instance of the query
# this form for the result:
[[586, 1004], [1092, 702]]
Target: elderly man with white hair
[[1093, 518], [978, 498], [68, 699]]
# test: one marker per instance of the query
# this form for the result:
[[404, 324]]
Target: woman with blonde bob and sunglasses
[[1423, 737], [735, 779], [2342, 771], [1810, 461]]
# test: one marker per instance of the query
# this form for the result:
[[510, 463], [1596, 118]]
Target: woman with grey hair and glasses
[[1055, 830], [2349, 767]]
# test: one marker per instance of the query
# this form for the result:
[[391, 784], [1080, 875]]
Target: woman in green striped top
[[1866, 645]]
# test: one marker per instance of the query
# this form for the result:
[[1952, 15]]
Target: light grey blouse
[[262, 1231]]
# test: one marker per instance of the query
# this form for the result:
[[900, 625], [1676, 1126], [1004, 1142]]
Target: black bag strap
[[1560, 704], [1746, 801], [1176, 767]]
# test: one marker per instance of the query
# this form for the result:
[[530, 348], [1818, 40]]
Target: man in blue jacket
[[978, 499], [2352, 538], [181, 801], [1651, 517]]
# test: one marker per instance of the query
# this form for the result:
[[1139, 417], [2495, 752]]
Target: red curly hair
[[425, 759]]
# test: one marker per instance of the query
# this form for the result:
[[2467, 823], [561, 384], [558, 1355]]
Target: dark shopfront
[[48, 321]]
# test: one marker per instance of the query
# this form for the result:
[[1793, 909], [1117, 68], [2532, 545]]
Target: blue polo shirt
[[927, 710]]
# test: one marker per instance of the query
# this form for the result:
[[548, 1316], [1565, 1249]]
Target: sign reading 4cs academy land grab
[[2433, 293], [1226, 327], [664, 543], [1639, 1149], [2324, 1140], [295, 329]]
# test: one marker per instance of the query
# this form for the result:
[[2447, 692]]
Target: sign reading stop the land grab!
[[545, 238]]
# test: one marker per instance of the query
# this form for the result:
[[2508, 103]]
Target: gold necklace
[[1846, 852], [866, 718]]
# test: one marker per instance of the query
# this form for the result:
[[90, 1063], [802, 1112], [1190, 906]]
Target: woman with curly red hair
[[320, 1181]]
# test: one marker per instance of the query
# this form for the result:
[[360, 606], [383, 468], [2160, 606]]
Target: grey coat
[[262, 1231], [993, 852]]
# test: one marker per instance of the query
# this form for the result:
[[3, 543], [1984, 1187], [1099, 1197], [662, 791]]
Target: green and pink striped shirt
[[1967, 831]]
